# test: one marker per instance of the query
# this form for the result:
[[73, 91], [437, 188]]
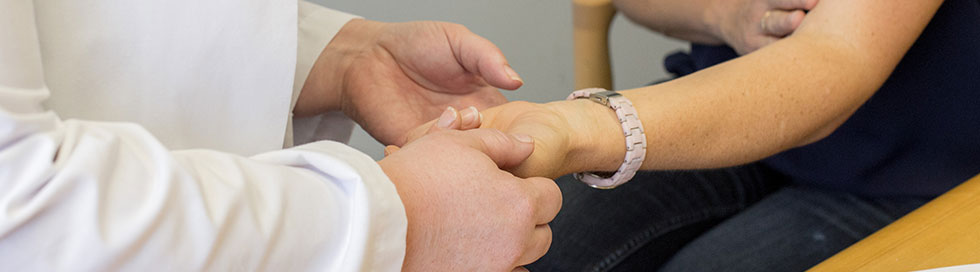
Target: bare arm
[[792, 93]]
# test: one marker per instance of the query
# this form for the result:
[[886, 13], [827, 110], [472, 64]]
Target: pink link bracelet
[[636, 141]]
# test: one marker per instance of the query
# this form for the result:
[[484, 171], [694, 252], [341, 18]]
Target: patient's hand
[[551, 129], [569, 136]]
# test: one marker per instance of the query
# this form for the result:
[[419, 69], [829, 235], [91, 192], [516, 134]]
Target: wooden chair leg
[[591, 21]]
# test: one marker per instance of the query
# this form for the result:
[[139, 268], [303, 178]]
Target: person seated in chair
[[795, 129]]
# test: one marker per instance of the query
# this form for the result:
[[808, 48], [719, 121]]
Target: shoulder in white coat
[[97, 195]]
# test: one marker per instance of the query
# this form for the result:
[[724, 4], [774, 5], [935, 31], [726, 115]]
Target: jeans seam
[[644, 237]]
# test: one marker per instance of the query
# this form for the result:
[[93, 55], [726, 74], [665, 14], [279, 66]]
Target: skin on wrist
[[323, 90], [596, 141]]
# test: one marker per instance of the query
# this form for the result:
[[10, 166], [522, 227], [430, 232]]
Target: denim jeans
[[746, 218]]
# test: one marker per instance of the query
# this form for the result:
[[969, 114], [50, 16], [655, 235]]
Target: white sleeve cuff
[[378, 220]]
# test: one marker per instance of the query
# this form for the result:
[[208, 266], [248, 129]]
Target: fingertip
[[524, 147], [798, 14], [485, 58], [448, 119], [506, 150], [390, 149], [795, 18], [513, 75], [781, 23], [470, 118], [501, 75]]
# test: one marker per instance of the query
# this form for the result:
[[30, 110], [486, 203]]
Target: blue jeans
[[746, 218]]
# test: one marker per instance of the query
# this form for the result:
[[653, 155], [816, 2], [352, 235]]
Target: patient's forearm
[[755, 106], [788, 94]]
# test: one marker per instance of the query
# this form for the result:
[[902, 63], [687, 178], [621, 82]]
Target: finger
[[449, 119], [506, 150], [781, 23], [482, 57], [538, 246], [418, 132], [390, 149], [547, 198], [470, 118], [792, 4]]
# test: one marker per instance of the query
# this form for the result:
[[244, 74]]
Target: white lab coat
[[93, 180]]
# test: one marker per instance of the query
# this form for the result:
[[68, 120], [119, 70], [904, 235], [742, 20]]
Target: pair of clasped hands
[[476, 182]]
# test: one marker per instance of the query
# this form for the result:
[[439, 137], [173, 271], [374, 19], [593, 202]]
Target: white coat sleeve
[[94, 196], [317, 27]]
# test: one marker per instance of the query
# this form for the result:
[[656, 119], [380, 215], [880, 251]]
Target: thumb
[[506, 150], [482, 57]]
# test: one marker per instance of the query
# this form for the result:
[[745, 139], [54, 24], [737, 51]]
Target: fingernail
[[513, 74], [447, 118], [470, 115], [524, 138]]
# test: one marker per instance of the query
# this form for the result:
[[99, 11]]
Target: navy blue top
[[919, 135]]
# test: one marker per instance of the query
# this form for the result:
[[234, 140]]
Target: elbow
[[825, 130]]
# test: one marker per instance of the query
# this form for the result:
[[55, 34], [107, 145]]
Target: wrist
[[324, 88], [596, 140]]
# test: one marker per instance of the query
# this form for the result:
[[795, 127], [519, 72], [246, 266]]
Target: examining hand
[[747, 25], [464, 213], [392, 77]]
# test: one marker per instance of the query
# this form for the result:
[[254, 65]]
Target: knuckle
[[554, 191], [546, 243], [513, 252], [524, 209]]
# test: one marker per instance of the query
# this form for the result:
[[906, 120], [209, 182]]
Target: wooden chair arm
[[591, 20], [944, 232]]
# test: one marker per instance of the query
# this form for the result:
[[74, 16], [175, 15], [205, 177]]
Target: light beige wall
[[534, 35]]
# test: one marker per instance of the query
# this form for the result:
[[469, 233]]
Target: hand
[[747, 25], [569, 136], [392, 77], [464, 213], [550, 128]]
